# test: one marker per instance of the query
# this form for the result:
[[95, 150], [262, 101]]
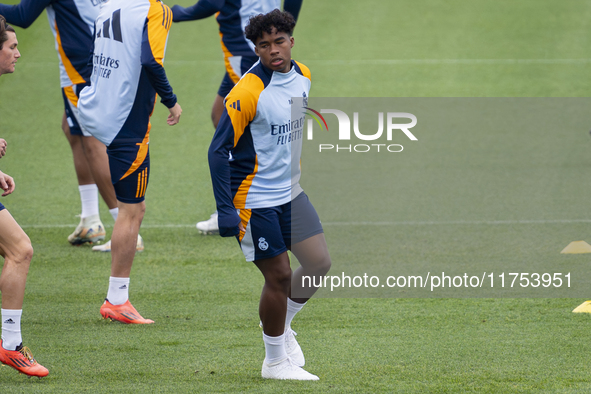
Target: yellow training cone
[[585, 307], [577, 247]]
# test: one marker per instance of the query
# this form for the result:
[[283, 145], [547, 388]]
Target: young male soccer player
[[72, 23], [255, 173], [130, 41], [239, 55], [15, 247]]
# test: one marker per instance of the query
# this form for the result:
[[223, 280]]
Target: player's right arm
[[154, 38], [2, 147], [233, 123], [202, 9], [6, 184], [293, 7], [24, 13]]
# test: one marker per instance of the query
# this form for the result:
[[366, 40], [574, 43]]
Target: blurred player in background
[[239, 55], [15, 247], [258, 195], [72, 23], [128, 74]]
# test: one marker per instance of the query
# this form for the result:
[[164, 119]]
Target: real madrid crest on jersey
[[263, 245]]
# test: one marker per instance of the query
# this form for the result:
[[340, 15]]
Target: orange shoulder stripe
[[305, 70], [159, 21], [241, 103]]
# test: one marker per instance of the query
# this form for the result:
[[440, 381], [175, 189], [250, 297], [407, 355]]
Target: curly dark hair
[[4, 27], [263, 23]]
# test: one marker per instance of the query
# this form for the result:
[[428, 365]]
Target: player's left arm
[[202, 9], [24, 13], [231, 128], [155, 36]]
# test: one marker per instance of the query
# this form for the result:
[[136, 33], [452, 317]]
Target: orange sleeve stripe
[[242, 192], [241, 103], [74, 76], [227, 55], [69, 91], [305, 70], [159, 20]]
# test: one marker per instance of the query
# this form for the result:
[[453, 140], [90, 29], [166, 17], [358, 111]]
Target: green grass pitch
[[202, 295]]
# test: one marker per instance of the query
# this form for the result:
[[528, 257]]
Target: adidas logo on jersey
[[235, 105], [112, 28]]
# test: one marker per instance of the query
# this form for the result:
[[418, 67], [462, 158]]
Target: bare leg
[[217, 110], [15, 247], [124, 238], [273, 303], [80, 163], [96, 155], [314, 259]]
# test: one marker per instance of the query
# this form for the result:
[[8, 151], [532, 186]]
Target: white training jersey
[[130, 42], [263, 141]]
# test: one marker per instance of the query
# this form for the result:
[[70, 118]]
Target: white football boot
[[285, 370], [90, 229], [293, 349], [107, 246], [209, 226]]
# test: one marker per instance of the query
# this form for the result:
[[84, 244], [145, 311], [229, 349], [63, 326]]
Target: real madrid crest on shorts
[[263, 245]]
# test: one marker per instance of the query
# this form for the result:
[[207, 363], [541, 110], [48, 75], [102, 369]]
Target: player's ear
[[256, 50], [291, 41]]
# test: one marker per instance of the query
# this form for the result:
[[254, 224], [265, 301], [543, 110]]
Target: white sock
[[89, 199], [11, 328], [292, 308], [274, 348], [118, 292], [114, 212]]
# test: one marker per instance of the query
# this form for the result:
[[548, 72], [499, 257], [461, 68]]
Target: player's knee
[[319, 265], [281, 278], [22, 252], [139, 210], [324, 265]]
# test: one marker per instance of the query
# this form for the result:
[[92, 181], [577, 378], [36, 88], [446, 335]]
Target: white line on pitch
[[449, 61], [365, 223], [108, 226], [456, 222], [369, 62]]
